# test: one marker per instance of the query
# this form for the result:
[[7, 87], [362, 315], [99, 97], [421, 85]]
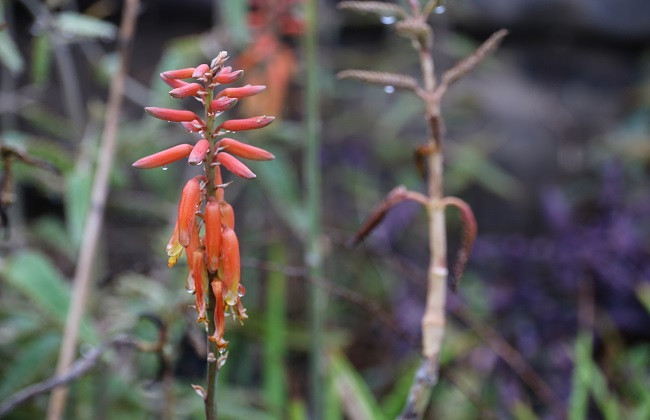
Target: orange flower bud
[[242, 92], [222, 104], [178, 74], [235, 166], [247, 123], [193, 127], [244, 150], [219, 320], [227, 215], [174, 248], [164, 157], [189, 89], [175, 83], [200, 281], [198, 152], [212, 236], [229, 266], [229, 77], [200, 71], [173, 115], [187, 208]]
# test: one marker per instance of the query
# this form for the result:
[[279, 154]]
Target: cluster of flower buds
[[206, 222]]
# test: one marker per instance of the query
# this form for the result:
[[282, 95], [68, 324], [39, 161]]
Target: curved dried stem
[[468, 236], [400, 81]]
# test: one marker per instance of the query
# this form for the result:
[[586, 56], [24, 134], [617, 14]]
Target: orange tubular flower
[[205, 223], [165, 157], [212, 235], [173, 115], [198, 152], [242, 92], [229, 266], [233, 165], [244, 150], [247, 123], [187, 208]]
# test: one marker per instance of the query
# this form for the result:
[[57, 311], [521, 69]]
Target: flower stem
[[212, 358]]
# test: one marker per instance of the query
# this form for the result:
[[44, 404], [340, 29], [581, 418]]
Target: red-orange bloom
[[219, 320], [242, 92], [227, 214], [187, 208], [173, 115], [200, 71], [189, 89], [244, 150], [175, 83], [200, 280], [164, 157], [235, 166], [229, 266], [212, 235], [178, 74], [222, 104], [247, 123], [198, 152], [226, 77]]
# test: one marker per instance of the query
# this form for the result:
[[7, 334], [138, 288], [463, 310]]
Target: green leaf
[[356, 398], [84, 26], [41, 59], [77, 200], [34, 276], [34, 358], [579, 401], [393, 403]]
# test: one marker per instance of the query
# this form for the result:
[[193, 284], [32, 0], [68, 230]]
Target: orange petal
[[235, 166], [164, 157], [242, 92], [189, 89], [229, 77], [198, 152], [212, 235], [187, 208], [174, 115], [178, 74], [229, 266], [247, 123], [244, 150], [174, 248]]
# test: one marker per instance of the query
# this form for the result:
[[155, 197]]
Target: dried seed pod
[[235, 166], [212, 236], [244, 150], [164, 157], [187, 208], [229, 266], [198, 152]]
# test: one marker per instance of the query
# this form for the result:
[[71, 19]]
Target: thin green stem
[[213, 365], [313, 257]]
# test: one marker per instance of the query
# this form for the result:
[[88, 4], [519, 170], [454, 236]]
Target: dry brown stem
[[92, 227], [400, 81]]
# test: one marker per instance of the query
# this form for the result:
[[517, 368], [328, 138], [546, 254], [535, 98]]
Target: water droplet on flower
[[191, 291], [222, 351], [387, 20], [389, 89], [440, 9], [164, 168]]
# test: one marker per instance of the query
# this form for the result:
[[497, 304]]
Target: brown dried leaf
[[401, 81], [470, 229], [377, 7]]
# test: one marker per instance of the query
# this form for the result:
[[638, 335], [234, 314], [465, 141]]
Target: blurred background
[[548, 140]]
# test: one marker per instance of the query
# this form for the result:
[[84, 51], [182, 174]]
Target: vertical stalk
[[313, 257], [82, 278], [212, 360]]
